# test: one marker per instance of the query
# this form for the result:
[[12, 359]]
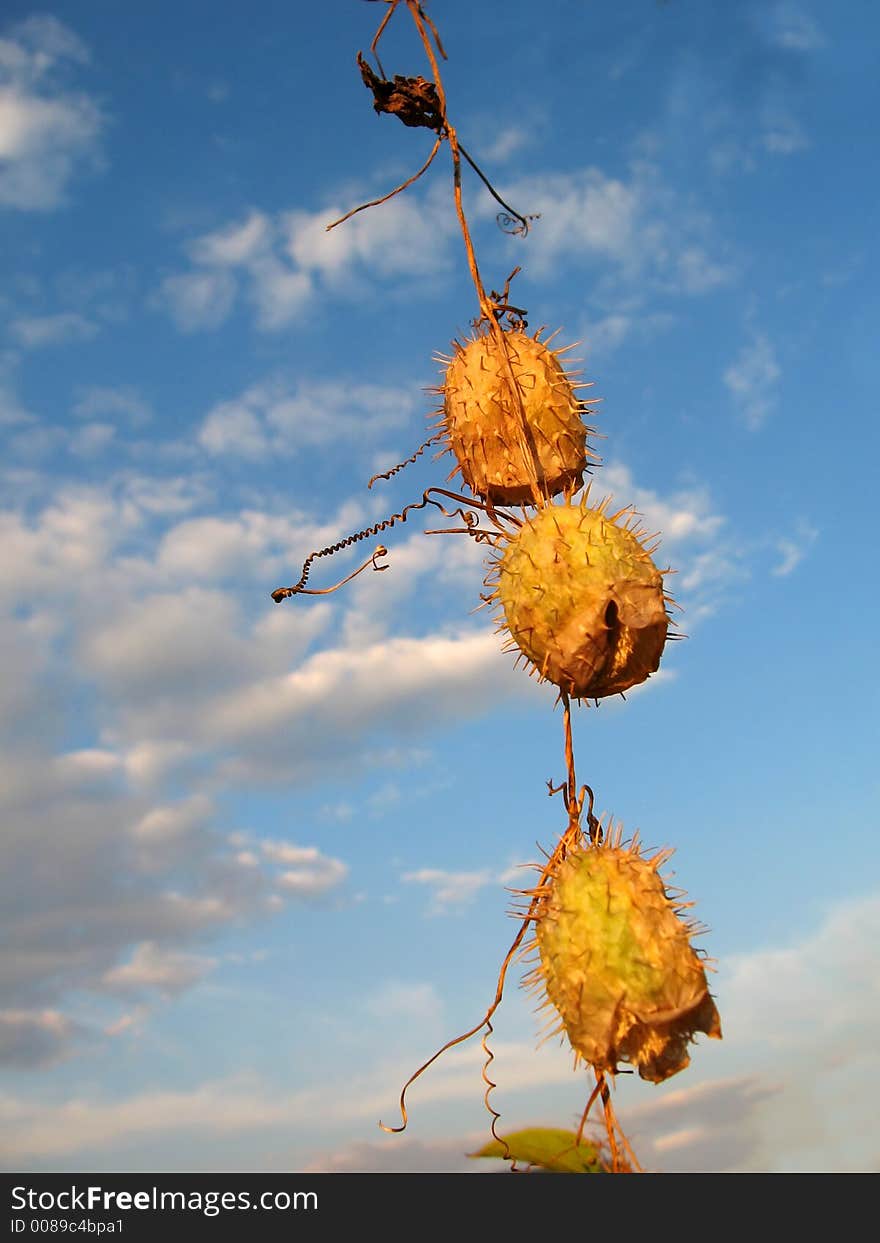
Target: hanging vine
[[583, 604]]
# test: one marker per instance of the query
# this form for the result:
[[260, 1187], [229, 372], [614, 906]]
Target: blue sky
[[257, 857]]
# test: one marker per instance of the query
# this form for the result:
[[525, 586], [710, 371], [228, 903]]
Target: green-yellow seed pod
[[616, 962], [582, 599], [484, 411]]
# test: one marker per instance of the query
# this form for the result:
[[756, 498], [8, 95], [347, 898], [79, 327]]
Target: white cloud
[[685, 515], [503, 145], [173, 821], [210, 549], [180, 681], [272, 418], [698, 273], [12, 412], [151, 646], [338, 697], [46, 130], [145, 496], [241, 1106], [627, 318], [413, 1003], [304, 870], [233, 428], [407, 236], [603, 336], [793, 549], [708, 1127], [582, 212], [400, 1154], [121, 402], [383, 799], [61, 329], [791, 28], [154, 969], [102, 858], [203, 298], [811, 998], [53, 1131], [278, 293], [774, 130], [147, 763], [92, 439], [35, 1038], [235, 245], [781, 133], [88, 765], [449, 889], [198, 300], [752, 379], [709, 569], [636, 230], [283, 262]]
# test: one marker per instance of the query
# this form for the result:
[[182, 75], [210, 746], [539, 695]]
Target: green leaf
[[551, 1149]]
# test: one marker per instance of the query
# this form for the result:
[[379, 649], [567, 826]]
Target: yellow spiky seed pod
[[616, 961], [484, 401], [582, 599]]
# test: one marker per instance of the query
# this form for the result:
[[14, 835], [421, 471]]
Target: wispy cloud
[[198, 300], [47, 131], [66, 327], [36, 1038], [122, 403], [449, 889], [790, 27], [505, 143], [634, 229], [413, 1002], [781, 133], [777, 996], [304, 870], [152, 968], [685, 514], [273, 419], [752, 378], [179, 676], [794, 548], [12, 412], [281, 262]]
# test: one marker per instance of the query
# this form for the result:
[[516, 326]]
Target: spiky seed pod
[[483, 418], [616, 961], [582, 599]]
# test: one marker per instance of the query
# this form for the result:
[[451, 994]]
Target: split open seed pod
[[582, 599]]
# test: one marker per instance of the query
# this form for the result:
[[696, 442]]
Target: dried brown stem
[[487, 310], [571, 798], [385, 197]]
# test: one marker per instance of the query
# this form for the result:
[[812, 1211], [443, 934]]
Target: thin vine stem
[[390, 195]]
